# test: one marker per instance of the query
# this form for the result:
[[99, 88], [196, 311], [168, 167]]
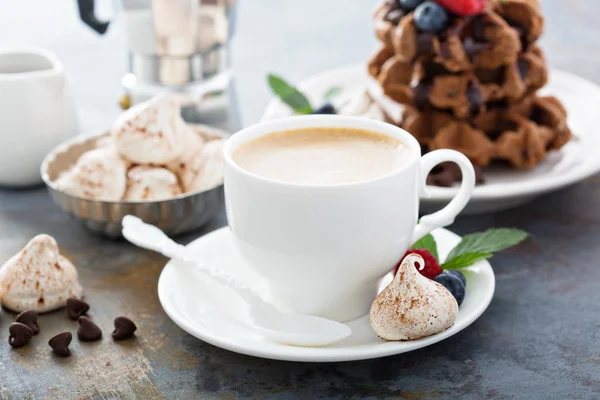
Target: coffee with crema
[[322, 156]]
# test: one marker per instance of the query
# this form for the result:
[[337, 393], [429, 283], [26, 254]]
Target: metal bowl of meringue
[[151, 164]]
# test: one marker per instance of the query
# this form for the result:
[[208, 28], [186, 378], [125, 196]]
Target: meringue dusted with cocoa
[[182, 165], [151, 132], [412, 306], [146, 183], [38, 278], [99, 174], [206, 170], [151, 154]]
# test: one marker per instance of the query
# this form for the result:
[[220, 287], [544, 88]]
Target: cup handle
[[445, 216]]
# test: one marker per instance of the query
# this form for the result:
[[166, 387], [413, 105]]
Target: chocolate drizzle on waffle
[[394, 12], [420, 93], [523, 67], [426, 83], [474, 97], [472, 87], [394, 16], [473, 48], [473, 34], [522, 32], [424, 44]]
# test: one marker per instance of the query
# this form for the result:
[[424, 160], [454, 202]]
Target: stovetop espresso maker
[[174, 46]]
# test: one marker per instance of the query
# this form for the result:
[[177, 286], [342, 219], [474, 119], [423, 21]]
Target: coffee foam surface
[[322, 156]]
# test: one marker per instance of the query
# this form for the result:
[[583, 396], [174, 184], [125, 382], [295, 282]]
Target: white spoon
[[294, 329]]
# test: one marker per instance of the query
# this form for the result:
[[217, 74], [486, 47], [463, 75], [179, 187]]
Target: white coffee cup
[[323, 249], [37, 113]]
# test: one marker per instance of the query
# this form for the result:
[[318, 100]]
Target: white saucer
[[215, 314], [505, 188]]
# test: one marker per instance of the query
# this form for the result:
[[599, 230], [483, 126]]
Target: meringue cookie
[[356, 105], [146, 183], [412, 306], [374, 112], [207, 132], [105, 141], [151, 132], [206, 171], [38, 278], [99, 174], [182, 165], [361, 105]]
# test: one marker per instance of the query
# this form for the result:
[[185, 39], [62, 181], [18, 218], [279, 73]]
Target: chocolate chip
[[76, 308], [88, 331], [60, 344], [19, 334], [29, 318], [124, 328], [394, 16], [523, 67]]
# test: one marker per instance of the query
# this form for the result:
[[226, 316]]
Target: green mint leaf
[[465, 260], [332, 92], [289, 95], [428, 243], [490, 241]]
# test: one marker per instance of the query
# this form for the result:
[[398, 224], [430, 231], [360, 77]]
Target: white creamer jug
[[37, 112]]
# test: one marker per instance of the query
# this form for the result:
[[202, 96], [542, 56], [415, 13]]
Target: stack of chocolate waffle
[[472, 87]]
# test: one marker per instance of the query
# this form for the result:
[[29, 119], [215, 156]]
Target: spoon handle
[[152, 238], [228, 280]]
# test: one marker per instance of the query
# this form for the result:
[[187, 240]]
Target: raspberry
[[463, 7], [432, 267]]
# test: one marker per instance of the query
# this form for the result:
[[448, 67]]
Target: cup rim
[[56, 67], [319, 121]]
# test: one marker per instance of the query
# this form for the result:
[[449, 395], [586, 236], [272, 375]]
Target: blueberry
[[409, 5], [453, 284], [431, 17], [459, 275], [326, 108]]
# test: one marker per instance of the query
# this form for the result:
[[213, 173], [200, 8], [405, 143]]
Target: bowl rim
[[95, 134]]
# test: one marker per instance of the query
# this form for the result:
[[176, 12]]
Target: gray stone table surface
[[539, 339]]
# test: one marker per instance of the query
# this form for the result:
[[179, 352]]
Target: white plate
[[505, 188], [215, 314]]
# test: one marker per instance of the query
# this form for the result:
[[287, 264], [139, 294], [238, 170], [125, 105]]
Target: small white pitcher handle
[[445, 216]]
